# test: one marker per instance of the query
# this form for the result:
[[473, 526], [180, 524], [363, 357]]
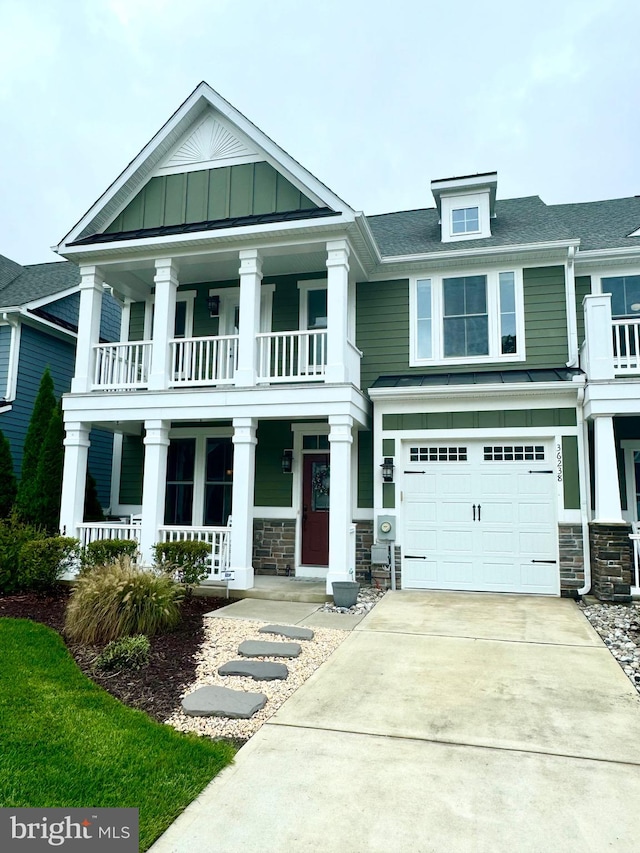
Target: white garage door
[[480, 516]]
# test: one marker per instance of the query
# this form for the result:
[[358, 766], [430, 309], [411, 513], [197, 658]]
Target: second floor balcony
[[611, 348]]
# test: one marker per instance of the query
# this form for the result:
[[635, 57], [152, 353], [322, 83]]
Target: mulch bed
[[155, 689]]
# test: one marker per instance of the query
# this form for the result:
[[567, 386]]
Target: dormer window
[[465, 220], [466, 206]]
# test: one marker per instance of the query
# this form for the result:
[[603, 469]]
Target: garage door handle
[[540, 472], [545, 561], [412, 557]]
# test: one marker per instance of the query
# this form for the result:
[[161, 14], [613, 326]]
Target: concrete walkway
[[445, 722]]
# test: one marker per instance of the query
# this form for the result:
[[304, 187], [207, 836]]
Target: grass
[[67, 743]]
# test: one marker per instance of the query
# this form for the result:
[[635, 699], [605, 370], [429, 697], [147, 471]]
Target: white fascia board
[[612, 397], [194, 105], [626, 254], [441, 392], [208, 239], [490, 251], [44, 300], [34, 320], [207, 404], [367, 235]]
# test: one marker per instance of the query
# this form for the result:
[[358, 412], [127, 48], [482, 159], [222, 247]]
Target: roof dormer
[[466, 205]]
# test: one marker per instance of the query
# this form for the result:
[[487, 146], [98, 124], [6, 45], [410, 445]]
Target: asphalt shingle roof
[[600, 224], [34, 281]]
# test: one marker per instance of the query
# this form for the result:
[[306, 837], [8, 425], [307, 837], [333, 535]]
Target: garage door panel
[[514, 523]]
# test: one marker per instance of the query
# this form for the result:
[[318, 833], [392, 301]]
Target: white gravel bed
[[368, 597], [619, 627], [222, 638]]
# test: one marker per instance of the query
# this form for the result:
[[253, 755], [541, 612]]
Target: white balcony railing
[[292, 356], [626, 346], [204, 361], [95, 531], [122, 366]]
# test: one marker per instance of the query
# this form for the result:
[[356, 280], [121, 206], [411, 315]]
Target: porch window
[[625, 295], [180, 470], [219, 482]]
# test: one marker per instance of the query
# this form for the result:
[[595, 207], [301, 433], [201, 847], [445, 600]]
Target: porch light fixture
[[213, 304], [387, 469], [287, 462]]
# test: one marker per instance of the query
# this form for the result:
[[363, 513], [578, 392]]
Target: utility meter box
[[386, 528], [379, 555]]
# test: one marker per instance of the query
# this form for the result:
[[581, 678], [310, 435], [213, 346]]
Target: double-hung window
[[467, 318], [465, 220], [625, 295]]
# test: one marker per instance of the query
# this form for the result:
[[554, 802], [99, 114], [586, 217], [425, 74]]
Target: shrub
[[103, 552], [8, 484], [13, 535], [120, 600], [27, 500], [125, 653], [185, 561], [44, 561], [48, 477]]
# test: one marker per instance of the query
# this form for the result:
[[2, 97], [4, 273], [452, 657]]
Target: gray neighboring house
[[38, 329]]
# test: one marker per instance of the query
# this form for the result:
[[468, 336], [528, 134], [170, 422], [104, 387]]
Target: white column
[[608, 508], [164, 317], [74, 475], [244, 466], [340, 499], [91, 291], [337, 309], [598, 334], [250, 283], [154, 484]]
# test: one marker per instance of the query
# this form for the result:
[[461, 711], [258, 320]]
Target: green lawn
[[66, 742]]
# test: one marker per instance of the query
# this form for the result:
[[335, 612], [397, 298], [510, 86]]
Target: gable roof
[[35, 281], [598, 224], [168, 147]]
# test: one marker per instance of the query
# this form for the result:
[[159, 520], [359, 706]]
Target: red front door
[[315, 510]]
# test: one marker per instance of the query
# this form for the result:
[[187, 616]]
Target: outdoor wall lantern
[[387, 469], [287, 462], [213, 303]]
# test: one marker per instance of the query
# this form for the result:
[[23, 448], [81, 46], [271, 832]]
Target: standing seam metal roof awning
[[486, 377]]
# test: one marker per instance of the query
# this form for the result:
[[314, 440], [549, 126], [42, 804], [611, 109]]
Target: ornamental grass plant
[[120, 600]]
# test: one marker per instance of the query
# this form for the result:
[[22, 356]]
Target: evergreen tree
[[8, 484], [46, 499], [27, 503]]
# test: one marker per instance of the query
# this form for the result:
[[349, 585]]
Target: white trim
[[570, 296], [116, 474], [304, 287], [205, 165], [489, 251], [188, 296], [492, 279], [45, 300], [14, 358], [489, 392]]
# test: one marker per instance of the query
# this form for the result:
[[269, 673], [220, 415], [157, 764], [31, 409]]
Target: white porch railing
[[204, 361], [635, 542], [95, 531], [292, 356], [218, 537], [122, 366], [626, 346]]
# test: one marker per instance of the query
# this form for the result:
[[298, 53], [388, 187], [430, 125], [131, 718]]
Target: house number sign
[[559, 461]]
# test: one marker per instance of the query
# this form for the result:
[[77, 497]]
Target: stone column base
[[611, 560]]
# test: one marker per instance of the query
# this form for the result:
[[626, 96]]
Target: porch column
[[341, 559], [250, 283], [154, 484], [244, 466], [598, 335], [337, 309], [608, 507], [74, 475], [91, 291], [164, 317]]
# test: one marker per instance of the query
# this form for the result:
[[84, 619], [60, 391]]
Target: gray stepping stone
[[259, 670], [222, 702], [263, 649], [293, 632]]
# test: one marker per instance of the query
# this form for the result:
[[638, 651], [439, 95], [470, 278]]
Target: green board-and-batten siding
[[382, 329], [131, 472], [272, 487], [211, 194], [499, 419], [583, 287]]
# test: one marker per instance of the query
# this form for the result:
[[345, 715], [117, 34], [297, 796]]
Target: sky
[[375, 97]]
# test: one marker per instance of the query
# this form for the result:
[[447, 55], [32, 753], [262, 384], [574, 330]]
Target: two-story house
[[38, 329], [323, 378]]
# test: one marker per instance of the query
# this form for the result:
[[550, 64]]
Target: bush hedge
[[102, 552], [185, 561], [44, 561], [125, 653], [121, 600], [14, 534]]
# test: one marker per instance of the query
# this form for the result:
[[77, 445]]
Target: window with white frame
[[467, 318], [625, 295], [465, 220]]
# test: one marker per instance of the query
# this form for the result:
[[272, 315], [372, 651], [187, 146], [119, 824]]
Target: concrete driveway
[[445, 722]]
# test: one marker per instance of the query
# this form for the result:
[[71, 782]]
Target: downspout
[[14, 354], [570, 294], [585, 490]]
